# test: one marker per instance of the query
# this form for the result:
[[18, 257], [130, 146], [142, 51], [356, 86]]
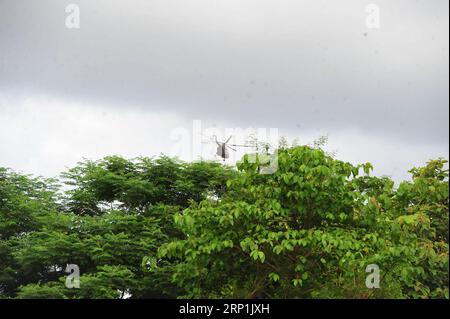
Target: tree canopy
[[163, 228]]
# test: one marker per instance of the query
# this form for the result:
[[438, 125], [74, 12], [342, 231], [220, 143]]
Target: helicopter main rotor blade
[[228, 139], [230, 147], [239, 145]]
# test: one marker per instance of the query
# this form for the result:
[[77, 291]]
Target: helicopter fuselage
[[222, 151]]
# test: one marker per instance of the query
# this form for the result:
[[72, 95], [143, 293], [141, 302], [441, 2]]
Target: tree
[[24, 203], [309, 230], [138, 184], [163, 228], [115, 214]]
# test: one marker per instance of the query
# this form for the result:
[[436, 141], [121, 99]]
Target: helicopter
[[223, 147]]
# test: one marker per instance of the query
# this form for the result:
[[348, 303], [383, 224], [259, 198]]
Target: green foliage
[[115, 182], [115, 214], [162, 228], [309, 231], [22, 200]]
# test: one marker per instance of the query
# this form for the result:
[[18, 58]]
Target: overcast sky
[[137, 70]]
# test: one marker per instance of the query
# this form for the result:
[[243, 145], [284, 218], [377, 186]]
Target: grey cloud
[[302, 66]]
